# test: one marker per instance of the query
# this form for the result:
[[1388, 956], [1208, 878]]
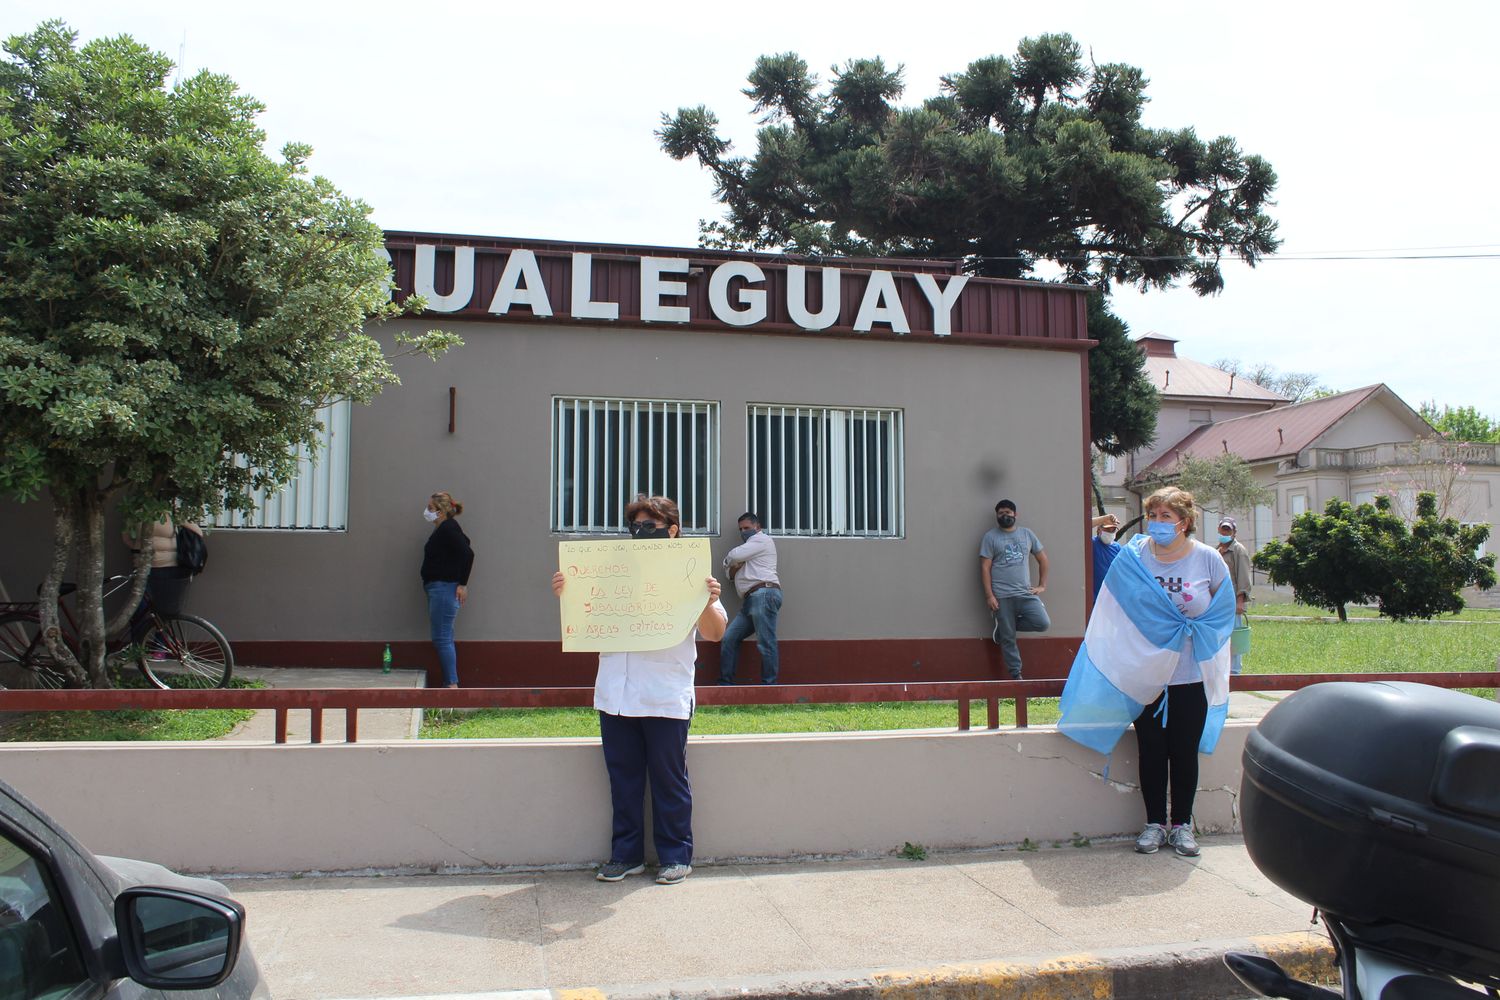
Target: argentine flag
[[1130, 651]]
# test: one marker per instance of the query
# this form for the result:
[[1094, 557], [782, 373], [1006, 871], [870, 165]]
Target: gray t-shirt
[[1010, 576], [1191, 583]]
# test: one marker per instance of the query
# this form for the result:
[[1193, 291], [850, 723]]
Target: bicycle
[[177, 650]]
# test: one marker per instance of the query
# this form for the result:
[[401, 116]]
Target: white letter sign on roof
[[796, 298], [653, 288], [881, 304], [584, 306], [463, 278], [752, 300], [943, 300], [509, 292]]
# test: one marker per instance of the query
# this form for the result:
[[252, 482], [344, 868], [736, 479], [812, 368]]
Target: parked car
[[84, 927]]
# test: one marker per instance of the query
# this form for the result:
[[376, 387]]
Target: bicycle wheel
[[185, 651], [24, 660]]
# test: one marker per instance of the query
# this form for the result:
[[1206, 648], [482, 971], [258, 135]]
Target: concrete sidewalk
[[1096, 921]]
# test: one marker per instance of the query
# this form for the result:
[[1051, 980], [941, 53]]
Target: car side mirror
[[176, 940]]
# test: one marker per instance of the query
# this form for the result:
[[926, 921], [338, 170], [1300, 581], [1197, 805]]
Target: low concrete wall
[[219, 807]]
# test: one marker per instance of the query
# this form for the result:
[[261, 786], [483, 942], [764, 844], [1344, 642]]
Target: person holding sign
[[644, 696]]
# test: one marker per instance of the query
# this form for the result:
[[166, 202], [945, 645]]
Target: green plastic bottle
[[385, 660]]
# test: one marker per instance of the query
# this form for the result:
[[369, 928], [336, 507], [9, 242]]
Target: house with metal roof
[[1351, 445]]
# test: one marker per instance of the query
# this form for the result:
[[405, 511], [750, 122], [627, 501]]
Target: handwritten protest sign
[[631, 596]]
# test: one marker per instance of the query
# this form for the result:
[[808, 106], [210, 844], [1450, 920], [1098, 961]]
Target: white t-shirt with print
[[1191, 583]]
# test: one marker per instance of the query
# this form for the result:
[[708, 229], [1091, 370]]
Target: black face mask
[[1006, 520], [655, 531]]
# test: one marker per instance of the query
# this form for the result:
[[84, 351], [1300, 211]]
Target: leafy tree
[[1463, 423], [1295, 386], [1015, 163], [1220, 485], [173, 297], [1122, 401], [1366, 554], [1430, 564]]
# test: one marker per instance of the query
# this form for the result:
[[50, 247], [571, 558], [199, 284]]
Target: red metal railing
[[351, 700]]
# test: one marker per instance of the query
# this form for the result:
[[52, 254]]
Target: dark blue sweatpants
[[635, 749]]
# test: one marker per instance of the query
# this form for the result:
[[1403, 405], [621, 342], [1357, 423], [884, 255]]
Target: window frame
[[312, 495], [700, 514], [832, 515]]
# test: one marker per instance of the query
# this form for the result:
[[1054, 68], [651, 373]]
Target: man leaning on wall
[[1005, 574], [752, 567]]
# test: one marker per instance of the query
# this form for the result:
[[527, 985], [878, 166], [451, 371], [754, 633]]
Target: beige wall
[[479, 804], [981, 423]]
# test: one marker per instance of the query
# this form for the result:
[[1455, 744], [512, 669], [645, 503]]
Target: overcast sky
[[536, 120]]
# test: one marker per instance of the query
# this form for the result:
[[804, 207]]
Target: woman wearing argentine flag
[[1156, 655]]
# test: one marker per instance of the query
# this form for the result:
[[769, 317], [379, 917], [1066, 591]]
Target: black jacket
[[447, 557]]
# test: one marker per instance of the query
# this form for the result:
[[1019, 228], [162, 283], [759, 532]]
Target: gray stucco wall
[[981, 422]]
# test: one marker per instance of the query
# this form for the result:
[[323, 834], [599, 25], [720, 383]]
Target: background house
[[1352, 445]]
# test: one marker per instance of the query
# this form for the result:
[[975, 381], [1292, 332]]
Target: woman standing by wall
[[1169, 730], [1156, 657], [446, 561], [645, 702]]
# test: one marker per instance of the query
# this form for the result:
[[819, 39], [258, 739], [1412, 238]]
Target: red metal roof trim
[[986, 309]]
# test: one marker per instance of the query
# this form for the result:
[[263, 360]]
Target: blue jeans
[[442, 611], [758, 614], [635, 749], [1021, 613]]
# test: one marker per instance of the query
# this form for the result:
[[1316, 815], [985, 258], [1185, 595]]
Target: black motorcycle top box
[[1379, 803]]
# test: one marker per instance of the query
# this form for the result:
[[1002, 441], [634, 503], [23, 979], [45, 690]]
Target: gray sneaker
[[672, 874], [1151, 839], [1181, 839], [614, 871]]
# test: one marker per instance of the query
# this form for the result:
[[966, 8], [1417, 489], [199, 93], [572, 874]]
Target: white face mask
[[430, 514], [1107, 537]]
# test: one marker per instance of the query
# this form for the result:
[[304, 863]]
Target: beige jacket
[[163, 542]]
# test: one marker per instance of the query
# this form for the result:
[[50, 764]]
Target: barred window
[[606, 451], [317, 498], [821, 471]]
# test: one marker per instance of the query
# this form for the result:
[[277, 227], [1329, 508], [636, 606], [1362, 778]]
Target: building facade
[[872, 412]]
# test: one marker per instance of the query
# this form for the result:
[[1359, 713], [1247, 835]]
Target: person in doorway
[[167, 583], [447, 559], [752, 567], [1104, 547], [1237, 558], [645, 703], [1170, 729], [1005, 575]]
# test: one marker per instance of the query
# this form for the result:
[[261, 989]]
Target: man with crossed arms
[[752, 567]]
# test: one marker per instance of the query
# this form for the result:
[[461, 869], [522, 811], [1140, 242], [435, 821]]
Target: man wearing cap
[[1005, 576], [1237, 557]]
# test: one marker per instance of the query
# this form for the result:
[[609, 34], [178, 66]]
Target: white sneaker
[[1151, 839], [1181, 839]]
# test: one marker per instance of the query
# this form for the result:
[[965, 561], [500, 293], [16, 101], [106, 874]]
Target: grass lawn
[[129, 724], [1489, 615], [1278, 647]]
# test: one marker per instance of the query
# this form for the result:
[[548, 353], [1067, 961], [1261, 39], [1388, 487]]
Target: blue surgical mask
[[748, 533], [1162, 532], [430, 514], [1225, 539]]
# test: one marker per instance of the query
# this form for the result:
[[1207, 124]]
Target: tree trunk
[[1098, 497], [62, 551], [78, 536], [1343, 614]]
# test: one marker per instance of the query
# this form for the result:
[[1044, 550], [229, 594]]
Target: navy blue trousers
[[636, 749]]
